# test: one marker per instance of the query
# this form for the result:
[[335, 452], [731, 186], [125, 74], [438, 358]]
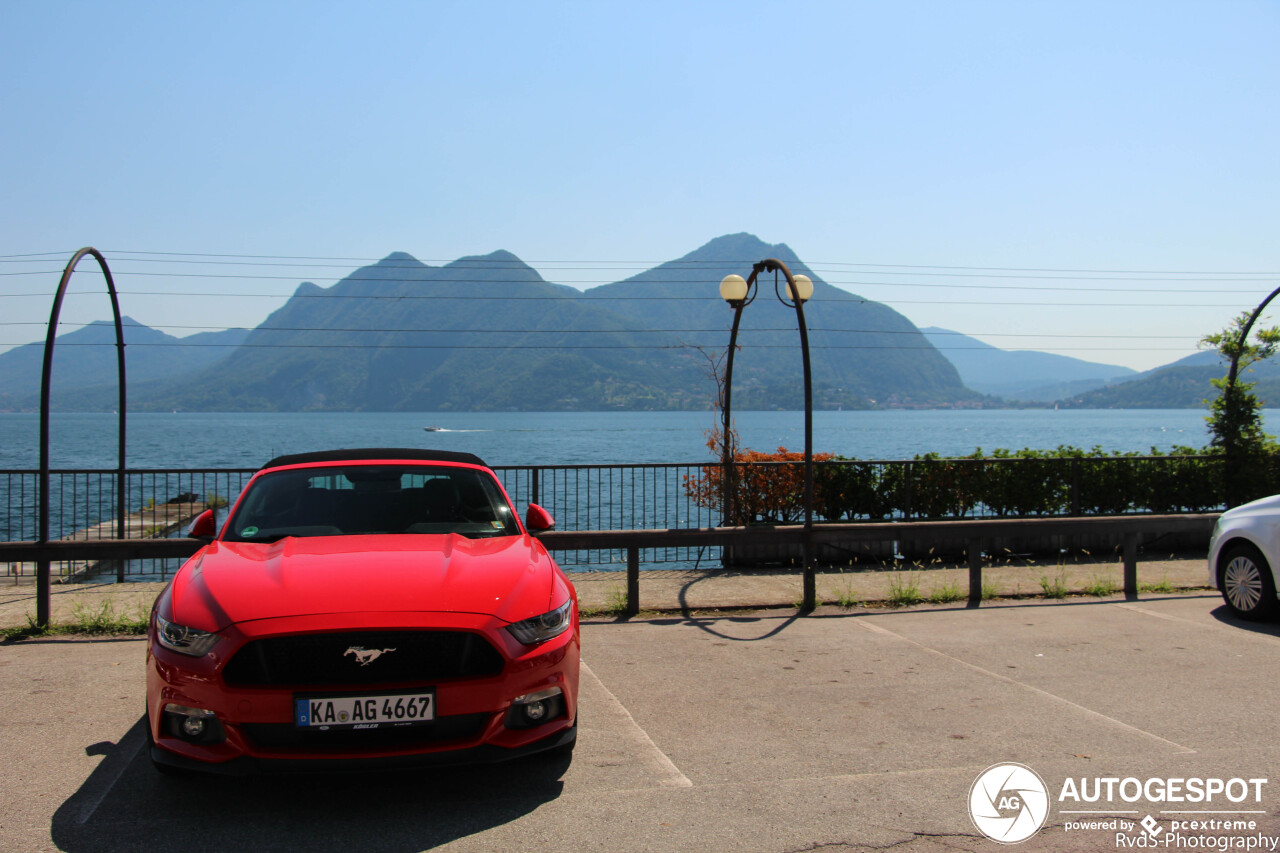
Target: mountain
[[488, 333], [863, 353], [1020, 375], [479, 333], [1184, 384], [86, 358]]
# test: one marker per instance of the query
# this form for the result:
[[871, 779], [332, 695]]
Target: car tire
[[1247, 585]]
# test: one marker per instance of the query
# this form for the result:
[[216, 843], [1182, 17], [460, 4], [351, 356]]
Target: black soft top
[[360, 453]]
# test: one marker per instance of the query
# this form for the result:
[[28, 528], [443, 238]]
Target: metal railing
[[83, 504], [1128, 533], [81, 500], [614, 497], [659, 497]]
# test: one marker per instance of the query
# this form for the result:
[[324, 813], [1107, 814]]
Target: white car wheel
[[1247, 586]]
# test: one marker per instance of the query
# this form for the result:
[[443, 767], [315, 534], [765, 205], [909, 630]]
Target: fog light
[[534, 709], [196, 725]]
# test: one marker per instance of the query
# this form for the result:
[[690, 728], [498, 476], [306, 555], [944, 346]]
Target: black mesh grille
[[288, 736], [310, 660]]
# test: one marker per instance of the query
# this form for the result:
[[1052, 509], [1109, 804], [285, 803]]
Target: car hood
[[510, 577], [1261, 505]]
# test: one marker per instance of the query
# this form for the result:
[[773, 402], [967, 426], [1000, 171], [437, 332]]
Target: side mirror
[[204, 527], [538, 520]]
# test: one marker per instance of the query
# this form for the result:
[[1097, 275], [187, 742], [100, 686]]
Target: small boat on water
[[434, 429]]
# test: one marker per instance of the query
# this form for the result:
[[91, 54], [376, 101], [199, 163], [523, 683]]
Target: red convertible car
[[364, 606]]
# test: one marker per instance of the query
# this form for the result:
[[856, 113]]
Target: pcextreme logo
[[1008, 803]]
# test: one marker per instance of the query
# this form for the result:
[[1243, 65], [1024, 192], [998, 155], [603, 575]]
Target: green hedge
[[1029, 483]]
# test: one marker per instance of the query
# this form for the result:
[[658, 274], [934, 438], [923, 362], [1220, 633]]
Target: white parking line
[[864, 623], [663, 767]]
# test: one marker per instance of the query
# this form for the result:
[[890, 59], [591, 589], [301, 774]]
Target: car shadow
[[125, 804], [1224, 615]]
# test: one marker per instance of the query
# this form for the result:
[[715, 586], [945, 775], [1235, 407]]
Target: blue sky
[[1110, 136]]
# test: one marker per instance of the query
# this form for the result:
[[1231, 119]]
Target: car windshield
[[369, 499]]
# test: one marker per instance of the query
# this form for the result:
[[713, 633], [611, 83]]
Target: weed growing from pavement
[[904, 589], [1054, 587], [847, 598], [946, 594], [617, 605], [31, 629], [103, 620], [106, 620], [1100, 586]]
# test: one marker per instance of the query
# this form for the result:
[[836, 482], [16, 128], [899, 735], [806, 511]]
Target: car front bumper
[[255, 730], [250, 765]]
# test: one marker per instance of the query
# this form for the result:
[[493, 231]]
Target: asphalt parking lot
[[843, 730]]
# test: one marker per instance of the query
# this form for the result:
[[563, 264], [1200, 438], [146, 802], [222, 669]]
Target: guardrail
[[657, 496], [1127, 531]]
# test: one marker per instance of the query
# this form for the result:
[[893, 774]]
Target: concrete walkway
[[683, 591], [602, 593]]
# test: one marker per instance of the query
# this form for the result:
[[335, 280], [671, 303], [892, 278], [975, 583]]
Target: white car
[[1243, 553]]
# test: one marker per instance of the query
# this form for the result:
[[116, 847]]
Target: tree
[[715, 369], [1235, 415]]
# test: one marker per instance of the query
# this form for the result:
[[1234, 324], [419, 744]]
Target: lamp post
[[1244, 337], [43, 566], [740, 293], [1232, 462]]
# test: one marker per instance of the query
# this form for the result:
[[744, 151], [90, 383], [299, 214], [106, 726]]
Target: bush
[[854, 490], [1104, 483], [768, 487], [1026, 483], [945, 488], [1189, 482], [1009, 484]]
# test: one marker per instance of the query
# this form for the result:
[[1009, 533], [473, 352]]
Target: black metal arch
[[775, 266], [46, 382], [1244, 336]]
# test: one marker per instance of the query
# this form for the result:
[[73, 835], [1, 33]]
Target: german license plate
[[364, 712]]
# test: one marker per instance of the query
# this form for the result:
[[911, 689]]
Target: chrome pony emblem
[[364, 656]]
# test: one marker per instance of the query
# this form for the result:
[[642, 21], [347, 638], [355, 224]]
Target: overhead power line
[[554, 347], [162, 326], [160, 257], [379, 279], [628, 298], [486, 262]]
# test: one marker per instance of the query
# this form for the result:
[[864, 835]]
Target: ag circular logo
[[1008, 803]]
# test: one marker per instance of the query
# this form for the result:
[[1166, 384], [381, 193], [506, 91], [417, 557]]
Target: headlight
[[548, 626], [184, 640]]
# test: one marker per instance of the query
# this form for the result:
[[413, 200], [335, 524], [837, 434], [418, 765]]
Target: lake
[[246, 440], [579, 500]]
